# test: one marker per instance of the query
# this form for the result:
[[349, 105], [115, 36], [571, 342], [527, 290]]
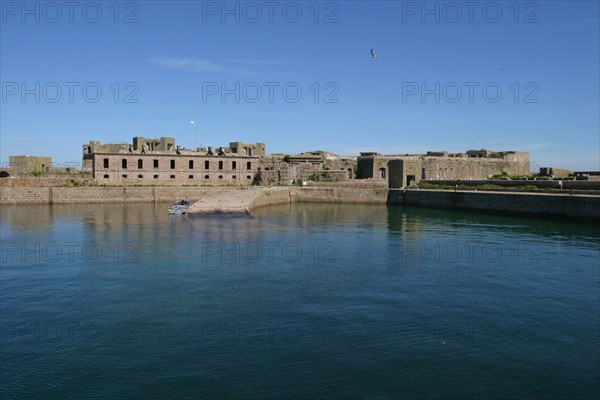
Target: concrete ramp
[[235, 201]]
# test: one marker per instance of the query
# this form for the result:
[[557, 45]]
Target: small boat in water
[[179, 207]]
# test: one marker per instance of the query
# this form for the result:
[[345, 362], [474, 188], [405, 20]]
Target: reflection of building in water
[[404, 170]]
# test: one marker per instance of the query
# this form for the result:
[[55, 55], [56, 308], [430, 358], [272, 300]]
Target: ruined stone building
[[404, 170], [29, 164], [161, 161]]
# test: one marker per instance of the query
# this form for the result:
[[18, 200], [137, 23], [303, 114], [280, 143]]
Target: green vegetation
[[36, 173], [503, 176]]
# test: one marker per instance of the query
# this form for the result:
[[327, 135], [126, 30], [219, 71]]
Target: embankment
[[69, 195], [584, 207]]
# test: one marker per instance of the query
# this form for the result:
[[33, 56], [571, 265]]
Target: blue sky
[[446, 76]]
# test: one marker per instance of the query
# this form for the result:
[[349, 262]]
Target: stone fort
[[160, 161]]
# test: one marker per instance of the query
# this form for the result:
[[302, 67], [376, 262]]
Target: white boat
[[179, 207]]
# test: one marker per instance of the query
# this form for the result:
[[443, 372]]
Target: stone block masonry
[[69, 195]]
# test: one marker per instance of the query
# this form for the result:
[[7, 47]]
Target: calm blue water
[[303, 301]]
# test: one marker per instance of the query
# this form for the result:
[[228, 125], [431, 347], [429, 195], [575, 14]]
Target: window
[[248, 165], [248, 177], [124, 176], [234, 177], [206, 164], [140, 163], [205, 176], [124, 163], [191, 177], [172, 164], [381, 173], [155, 176], [105, 176], [191, 164], [140, 176], [234, 165], [220, 164], [155, 164], [172, 176], [106, 163], [220, 176]]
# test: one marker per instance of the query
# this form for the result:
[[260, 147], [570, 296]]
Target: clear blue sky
[[172, 54]]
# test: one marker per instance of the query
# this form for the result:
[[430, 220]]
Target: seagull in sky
[[373, 55]]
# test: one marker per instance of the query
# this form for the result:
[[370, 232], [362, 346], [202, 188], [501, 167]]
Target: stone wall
[[64, 195], [172, 169], [556, 205], [542, 184], [321, 195], [577, 207]]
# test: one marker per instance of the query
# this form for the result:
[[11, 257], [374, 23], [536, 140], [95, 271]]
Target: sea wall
[[340, 195], [542, 184], [65, 195], [320, 195], [559, 205], [541, 204]]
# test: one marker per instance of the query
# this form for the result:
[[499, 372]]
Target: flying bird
[[373, 55]]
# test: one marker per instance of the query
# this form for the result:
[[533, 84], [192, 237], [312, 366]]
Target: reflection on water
[[357, 294]]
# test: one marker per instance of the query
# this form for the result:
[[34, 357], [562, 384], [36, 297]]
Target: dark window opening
[[191, 164], [124, 163], [172, 164], [155, 176], [140, 176], [191, 177], [220, 164], [155, 163], [206, 164], [172, 176], [233, 165], [106, 163], [205, 176], [124, 176], [248, 165], [140, 164], [105, 176]]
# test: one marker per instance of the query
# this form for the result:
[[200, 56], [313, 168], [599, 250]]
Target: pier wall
[[66, 195], [320, 195], [556, 205], [584, 207]]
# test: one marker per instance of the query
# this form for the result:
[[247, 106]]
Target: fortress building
[[161, 161], [403, 170]]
